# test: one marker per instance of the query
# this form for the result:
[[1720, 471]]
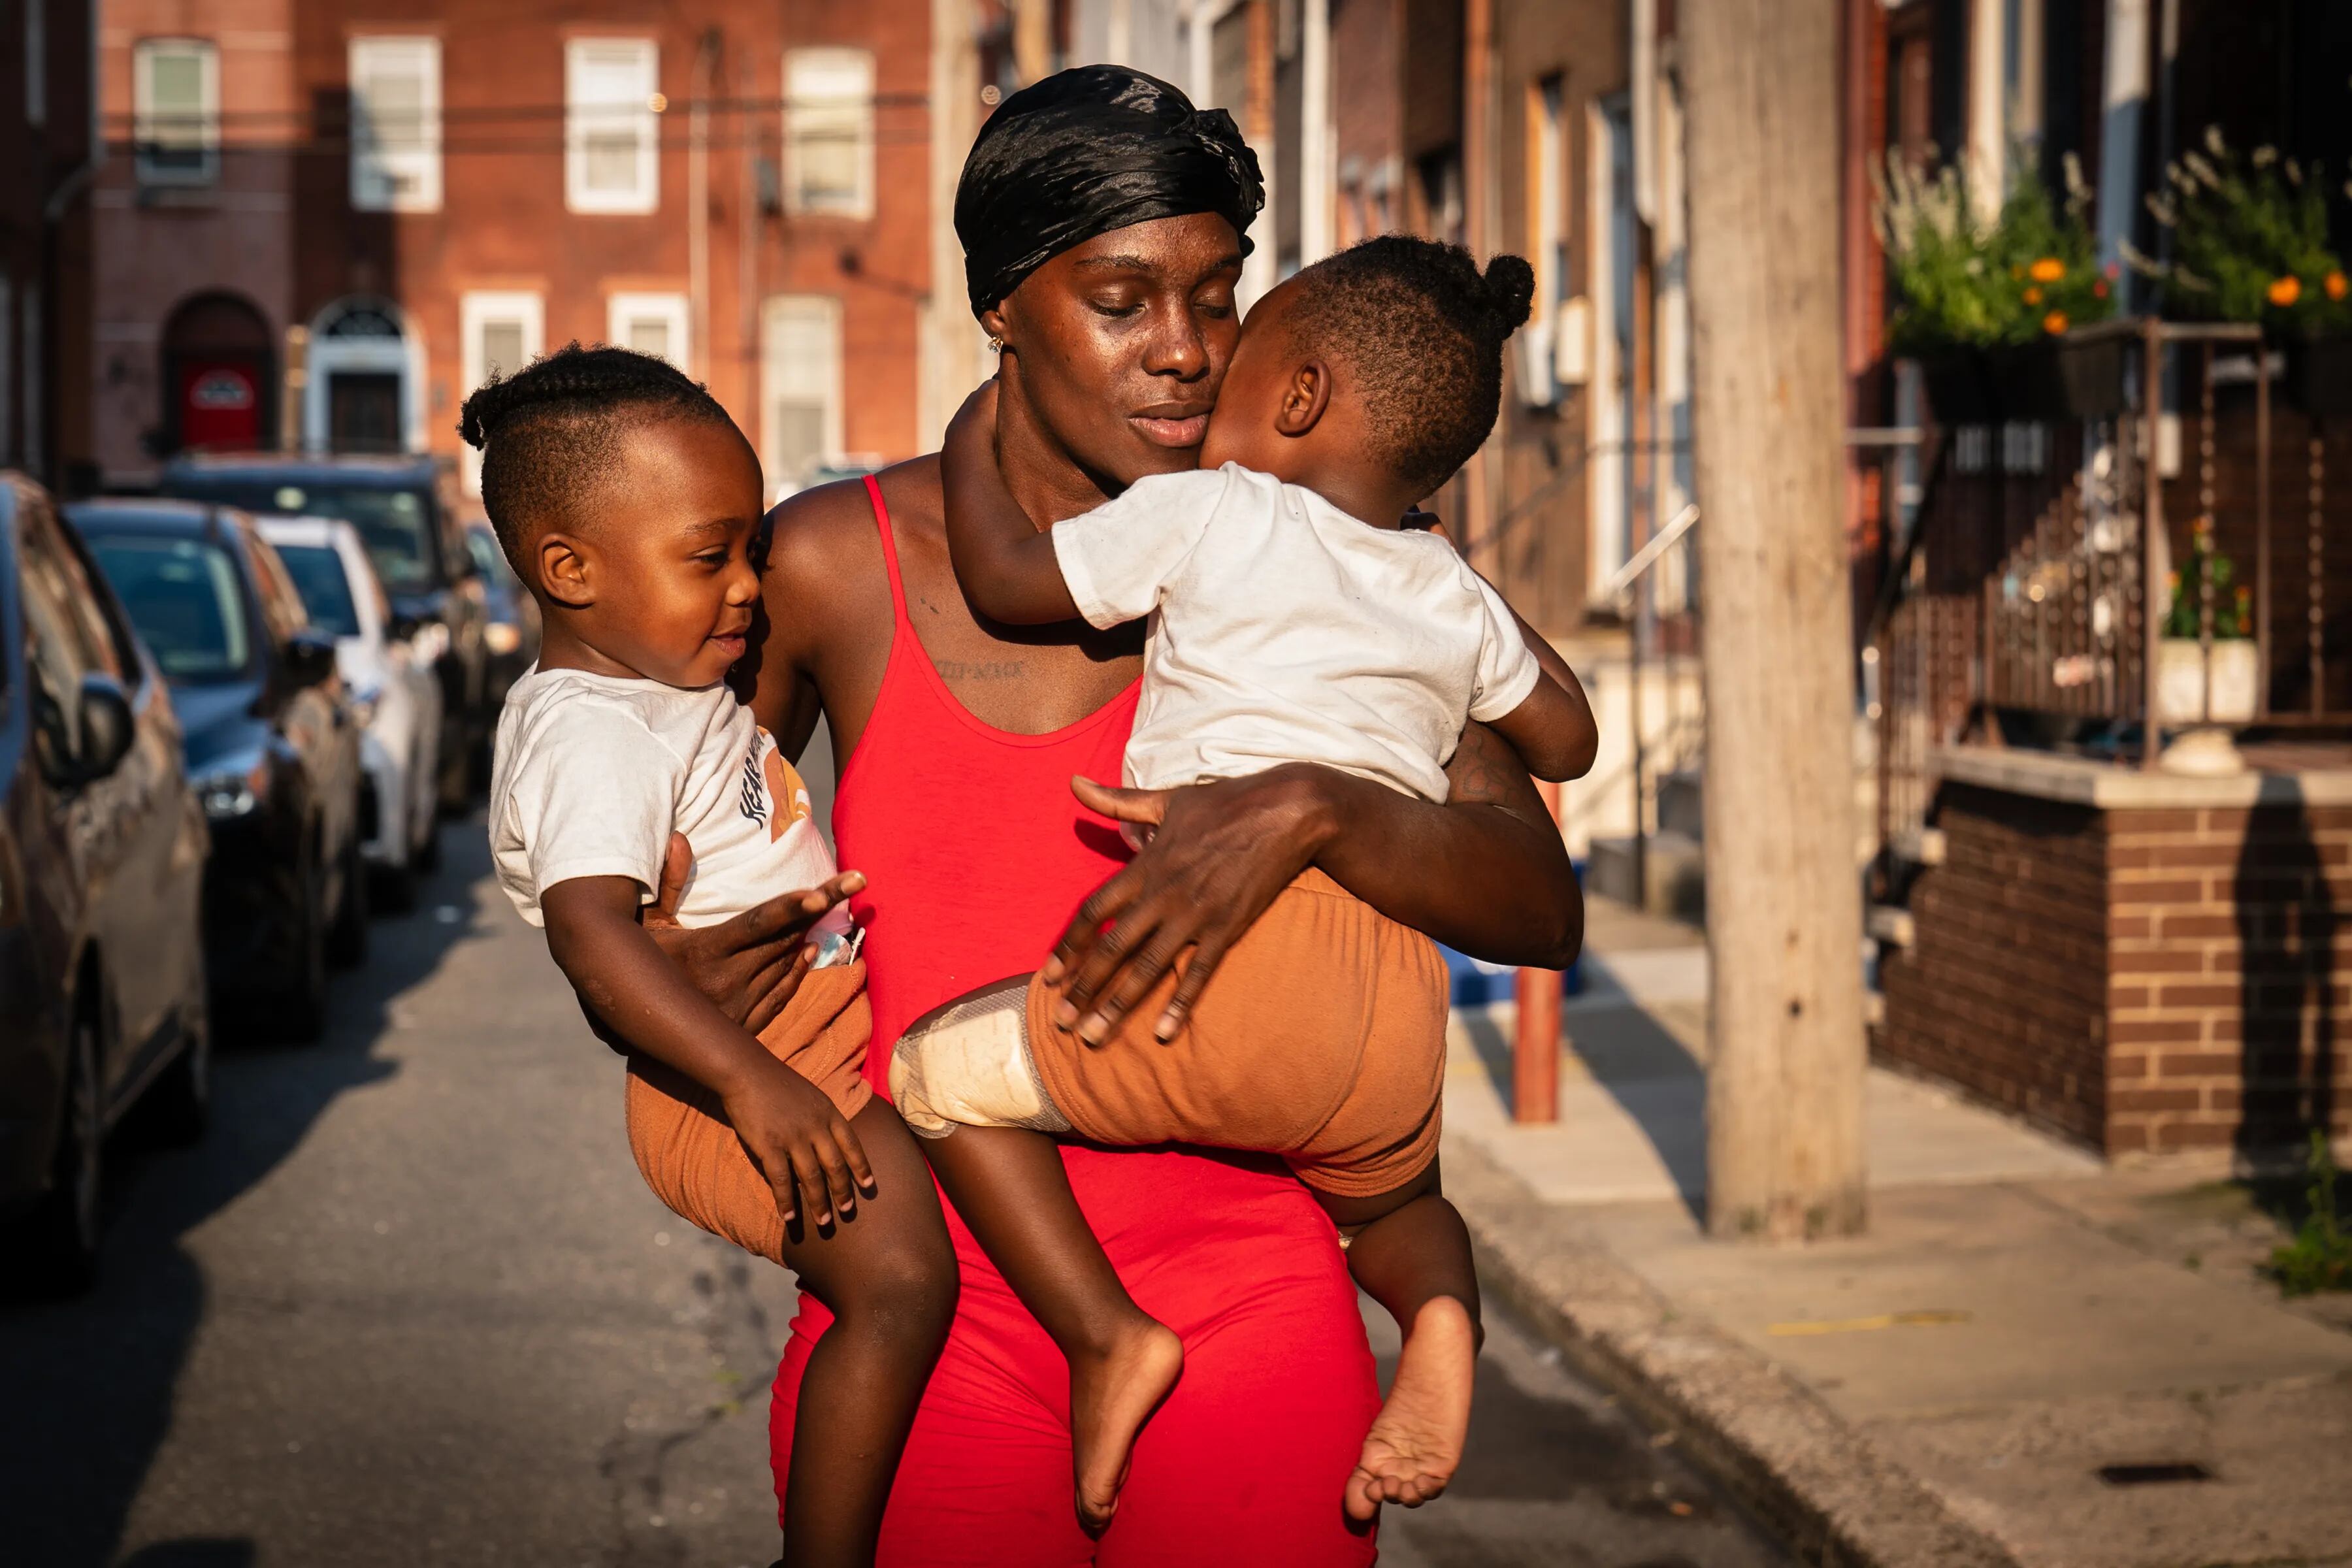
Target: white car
[[393, 694]]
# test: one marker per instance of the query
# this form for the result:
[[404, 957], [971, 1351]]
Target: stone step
[[1677, 874]]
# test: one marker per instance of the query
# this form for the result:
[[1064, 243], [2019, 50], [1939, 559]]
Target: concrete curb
[[1815, 1482]]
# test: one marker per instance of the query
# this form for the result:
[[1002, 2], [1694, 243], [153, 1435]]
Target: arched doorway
[[220, 375], [363, 384]]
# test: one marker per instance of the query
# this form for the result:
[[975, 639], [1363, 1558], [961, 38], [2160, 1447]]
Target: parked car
[[401, 506], [396, 698], [513, 632], [102, 847], [271, 744]]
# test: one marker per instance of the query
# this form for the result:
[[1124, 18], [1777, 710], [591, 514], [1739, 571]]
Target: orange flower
[[2055, 322], [2284, 292], [2049, 269], [2334, 284], [2032, 295]]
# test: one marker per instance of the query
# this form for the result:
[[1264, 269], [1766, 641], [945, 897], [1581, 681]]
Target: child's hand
[[751, 966], [811, 1157]]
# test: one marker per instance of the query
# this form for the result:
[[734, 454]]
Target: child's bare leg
[[1411, 1253], [1009, 1185], [890, 1277]]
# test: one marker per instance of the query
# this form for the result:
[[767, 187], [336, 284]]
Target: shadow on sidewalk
[[90, 1382]]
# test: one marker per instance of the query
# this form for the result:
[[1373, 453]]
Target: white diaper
[[970, 1067]]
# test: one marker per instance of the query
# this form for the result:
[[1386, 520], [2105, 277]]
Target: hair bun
[[1510, 290]]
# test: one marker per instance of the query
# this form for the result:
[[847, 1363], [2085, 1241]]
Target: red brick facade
[[2142, 980]]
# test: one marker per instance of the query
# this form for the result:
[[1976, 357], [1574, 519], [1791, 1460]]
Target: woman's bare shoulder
[[824, 536]]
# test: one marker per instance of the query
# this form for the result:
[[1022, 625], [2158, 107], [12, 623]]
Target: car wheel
[[61, 1235], [347, 941], [179, 1106], [301, 1015]]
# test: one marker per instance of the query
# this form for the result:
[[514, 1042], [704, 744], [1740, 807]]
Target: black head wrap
[[1085, 152]]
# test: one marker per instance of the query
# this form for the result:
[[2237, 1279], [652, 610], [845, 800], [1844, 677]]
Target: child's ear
[[1304, 400], [565, 571]]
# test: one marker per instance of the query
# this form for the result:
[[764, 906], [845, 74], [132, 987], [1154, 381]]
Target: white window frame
[[373, 162], [780, 370], [806, 112], [143, 57], [477, 309], [670, 310], [637, 110]]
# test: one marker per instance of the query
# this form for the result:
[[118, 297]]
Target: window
[[36, 62], [501, 332], [396, 124], [1540, 345], [175, 112], [326, 588], [183, 598], [829, 132], [650, 324], [611, 140], [800, 387]]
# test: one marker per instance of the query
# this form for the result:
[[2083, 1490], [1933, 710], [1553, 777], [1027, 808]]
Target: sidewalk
[[2029, 1359]]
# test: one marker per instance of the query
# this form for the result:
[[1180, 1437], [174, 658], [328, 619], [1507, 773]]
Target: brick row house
[[49, 152], [327, 222], [2121, 915]]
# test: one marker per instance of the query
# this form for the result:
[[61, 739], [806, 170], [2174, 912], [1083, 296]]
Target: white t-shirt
[[1284, 630], [592, 773]]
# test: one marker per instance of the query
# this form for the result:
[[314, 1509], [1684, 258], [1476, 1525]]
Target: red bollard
[[1535, 1045]]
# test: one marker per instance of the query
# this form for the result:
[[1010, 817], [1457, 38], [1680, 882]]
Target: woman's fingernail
[[1093, 1030], [1051, 973], [1065, 1014]]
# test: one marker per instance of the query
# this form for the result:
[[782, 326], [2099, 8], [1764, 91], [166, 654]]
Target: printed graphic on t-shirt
[[772, 796]]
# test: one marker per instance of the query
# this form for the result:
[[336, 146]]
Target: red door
[[220, 401]]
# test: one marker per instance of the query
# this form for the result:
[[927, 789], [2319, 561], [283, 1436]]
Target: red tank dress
[[977, 853]]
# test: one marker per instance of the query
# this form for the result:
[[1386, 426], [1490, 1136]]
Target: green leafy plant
[[2051, 257], [2320, 1256], [2233, 602], [2249, 242], [1967, 279]]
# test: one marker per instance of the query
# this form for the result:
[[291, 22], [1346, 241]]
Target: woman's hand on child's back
[[750, 966], [1218, 855], [810, 1155]]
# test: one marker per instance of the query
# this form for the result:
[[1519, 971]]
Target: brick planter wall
[[2144, 964]]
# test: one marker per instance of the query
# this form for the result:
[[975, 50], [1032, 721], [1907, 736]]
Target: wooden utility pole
[[1783, 896]]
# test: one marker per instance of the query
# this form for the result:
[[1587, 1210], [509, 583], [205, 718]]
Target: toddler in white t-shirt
[[627, 501], [1291, 619]]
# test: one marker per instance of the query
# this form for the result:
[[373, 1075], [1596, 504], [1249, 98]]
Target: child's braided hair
[[1421, 329], [545, 431]]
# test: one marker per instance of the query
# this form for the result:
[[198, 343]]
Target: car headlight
[[233, 789], [502, 636]]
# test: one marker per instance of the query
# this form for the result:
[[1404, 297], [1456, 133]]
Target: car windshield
[[184, 598], [326, 588], [395, 525]]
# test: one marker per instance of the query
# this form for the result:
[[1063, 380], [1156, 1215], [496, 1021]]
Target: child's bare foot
[[1415, 1442], [1112, 1394]]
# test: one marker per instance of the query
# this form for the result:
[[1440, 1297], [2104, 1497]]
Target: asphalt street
[[409, 1304]]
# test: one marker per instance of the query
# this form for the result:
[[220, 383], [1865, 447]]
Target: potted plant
[[2042, 371], [2203, 679], [1953, 302], [2249, 242]]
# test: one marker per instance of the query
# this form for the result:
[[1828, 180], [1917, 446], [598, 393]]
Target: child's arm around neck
[[1004, 562]]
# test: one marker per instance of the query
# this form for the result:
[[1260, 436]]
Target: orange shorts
[[687, 1151], [1321, 1039]]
